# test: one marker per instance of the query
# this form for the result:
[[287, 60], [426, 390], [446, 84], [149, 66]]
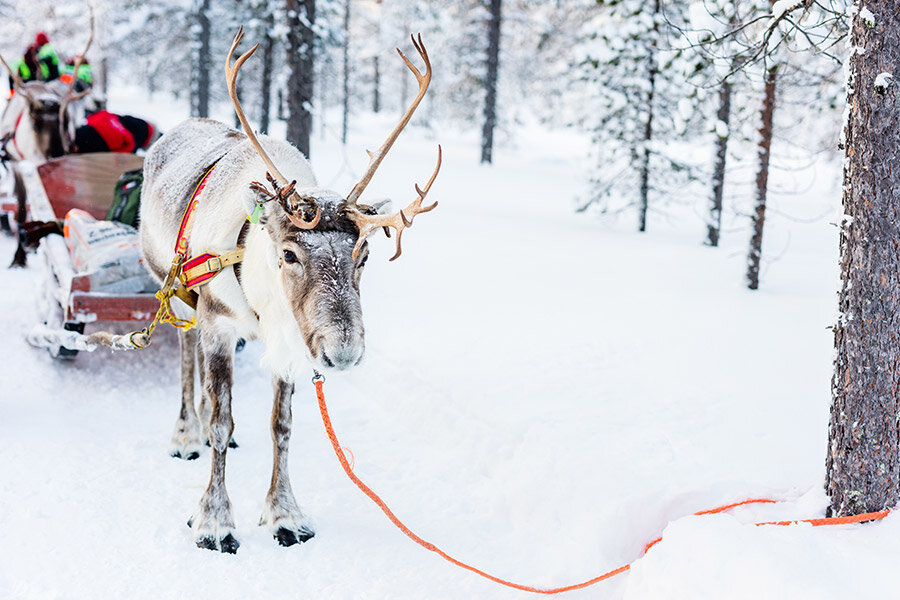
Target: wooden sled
[[87, 182]]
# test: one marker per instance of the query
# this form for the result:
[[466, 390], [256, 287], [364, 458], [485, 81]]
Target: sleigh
[[67, 302]]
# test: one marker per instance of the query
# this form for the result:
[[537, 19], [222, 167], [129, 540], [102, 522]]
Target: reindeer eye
[[362, 263], [290, 257]]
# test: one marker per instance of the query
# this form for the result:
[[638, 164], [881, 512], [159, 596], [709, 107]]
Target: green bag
[[127, 198]]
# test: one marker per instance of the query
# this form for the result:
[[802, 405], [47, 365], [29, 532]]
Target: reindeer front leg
[[213, 523], [281, 513]]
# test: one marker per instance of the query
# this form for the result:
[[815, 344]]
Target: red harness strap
[[15, 129], [200, 269], [187, 220]]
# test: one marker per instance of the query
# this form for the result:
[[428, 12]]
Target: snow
[[782, 6], [883, 81], [868, 18], [721, 128], [543, 394]]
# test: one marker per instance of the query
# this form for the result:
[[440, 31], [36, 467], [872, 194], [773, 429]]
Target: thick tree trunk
[[863, 466], [652, 71], [301, 60], [490, 84], [723, 133], [762, 176], [345, 73], [266, 92], [201, 93]]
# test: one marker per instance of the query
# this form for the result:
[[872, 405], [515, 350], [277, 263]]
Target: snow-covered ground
[[544, 393]]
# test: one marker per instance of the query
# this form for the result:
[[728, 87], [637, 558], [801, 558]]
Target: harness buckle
[[214, 264]]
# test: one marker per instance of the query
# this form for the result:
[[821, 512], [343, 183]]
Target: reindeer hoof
[[192, 455], [227, 545], [287, 537], [231, 444]]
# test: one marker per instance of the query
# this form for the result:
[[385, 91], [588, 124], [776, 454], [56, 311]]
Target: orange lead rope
[[318, 380]]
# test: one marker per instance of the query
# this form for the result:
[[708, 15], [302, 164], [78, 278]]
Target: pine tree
[[301, 19], [640, 79], [490, 82], [200, 78], [863, 461], [766, 114]]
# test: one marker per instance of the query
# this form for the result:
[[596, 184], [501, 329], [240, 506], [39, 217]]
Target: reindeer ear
[[382, 207], [255, 206]]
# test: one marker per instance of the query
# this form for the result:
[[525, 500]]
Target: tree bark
[[345, 73], [301, 17], [652, 71], [376, 85], [490, 84], [862, 465], [723, 114], [266, 95], [762, 176], [201, 97]]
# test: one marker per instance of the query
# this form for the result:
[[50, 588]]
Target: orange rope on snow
[[348, 469]]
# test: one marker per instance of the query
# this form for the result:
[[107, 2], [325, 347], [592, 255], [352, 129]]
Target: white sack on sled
[[109, 251]]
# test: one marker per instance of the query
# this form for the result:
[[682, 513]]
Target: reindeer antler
[[368, 223], [279, 181], [17, 81], [400, 220], [69, 97]]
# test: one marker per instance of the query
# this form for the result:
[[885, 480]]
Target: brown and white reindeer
[[39, 118], [37, 124], [296, 289]]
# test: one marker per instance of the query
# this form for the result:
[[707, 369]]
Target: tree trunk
[[862, 465], [266, 95], [301, 17], [201, 97], [652, 71], [345, 73], [762, 177], [490, 84], [376, 85], [723, 116]]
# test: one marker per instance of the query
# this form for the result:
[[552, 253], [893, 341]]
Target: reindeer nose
[[342, 357]]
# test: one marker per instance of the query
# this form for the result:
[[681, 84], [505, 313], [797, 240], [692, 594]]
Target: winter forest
[[643, 347]]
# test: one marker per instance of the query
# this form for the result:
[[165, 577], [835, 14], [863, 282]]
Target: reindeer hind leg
[[186, 439]]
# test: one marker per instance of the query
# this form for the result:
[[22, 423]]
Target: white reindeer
[[297, 288], [38, 123]]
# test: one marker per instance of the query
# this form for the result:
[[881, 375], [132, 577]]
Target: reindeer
[[296, 289], [38, 124]]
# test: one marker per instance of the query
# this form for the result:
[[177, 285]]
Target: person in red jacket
[[109, 132]]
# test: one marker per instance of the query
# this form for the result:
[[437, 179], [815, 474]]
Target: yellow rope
[[164, 314]]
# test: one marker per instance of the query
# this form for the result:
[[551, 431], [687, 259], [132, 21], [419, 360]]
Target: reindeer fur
[[306, 312]]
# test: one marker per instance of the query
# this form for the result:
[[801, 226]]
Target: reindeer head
[[48, 119], [319, 236], [50, 106]]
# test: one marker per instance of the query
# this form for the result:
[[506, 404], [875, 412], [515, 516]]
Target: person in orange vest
[[109, 132], [84, 78]]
